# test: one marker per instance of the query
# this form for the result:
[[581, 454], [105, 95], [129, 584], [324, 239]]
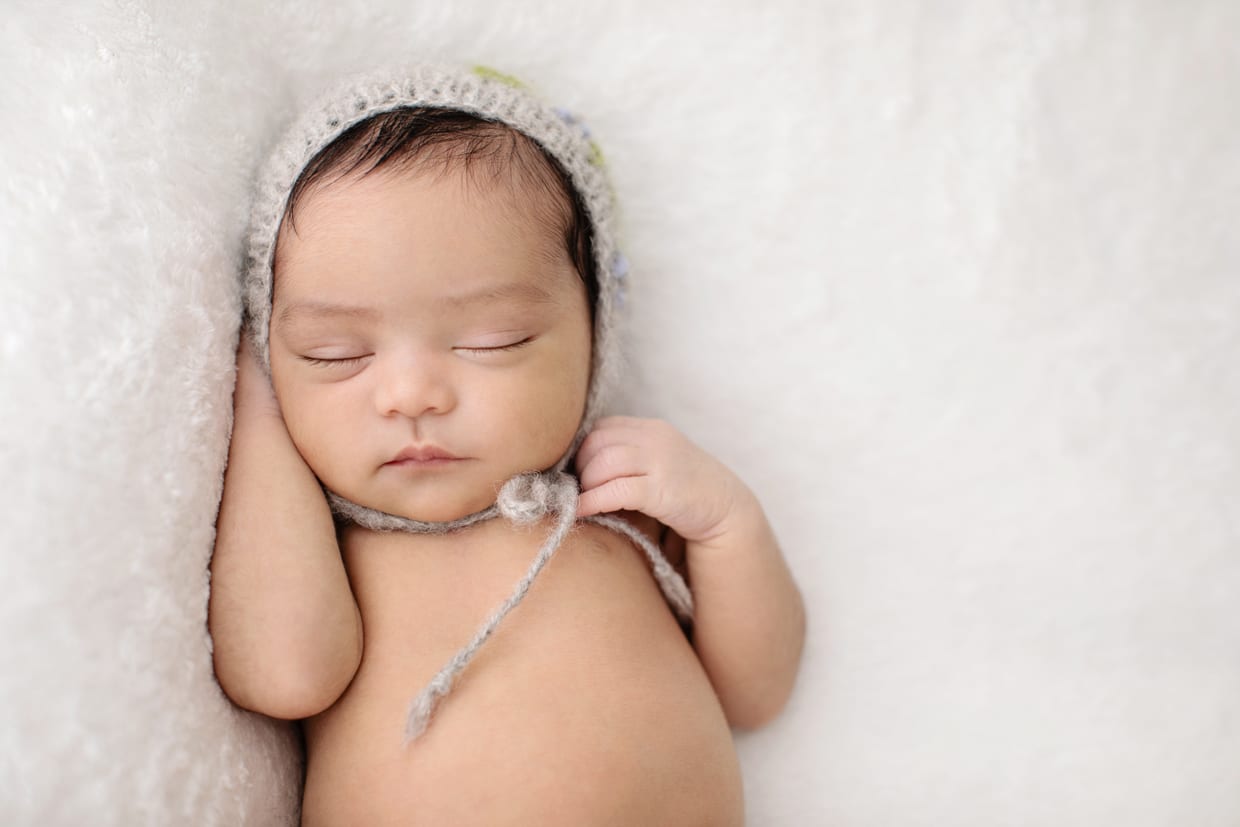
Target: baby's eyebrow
[[322, 310], [519, 291]]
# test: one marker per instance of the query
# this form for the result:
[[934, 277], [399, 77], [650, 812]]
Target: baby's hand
[[253, 391], [647, 465]]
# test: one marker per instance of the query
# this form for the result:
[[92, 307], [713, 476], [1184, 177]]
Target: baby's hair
[[449, 139]]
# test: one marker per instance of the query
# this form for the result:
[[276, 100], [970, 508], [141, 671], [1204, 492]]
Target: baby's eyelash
[[512, 346], [351, 360]]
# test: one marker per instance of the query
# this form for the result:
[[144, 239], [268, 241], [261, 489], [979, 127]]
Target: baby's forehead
[[362, 206], [457, 243], [527, 196]]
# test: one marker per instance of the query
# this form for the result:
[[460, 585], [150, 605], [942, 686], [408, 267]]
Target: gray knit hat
[[478, 91]]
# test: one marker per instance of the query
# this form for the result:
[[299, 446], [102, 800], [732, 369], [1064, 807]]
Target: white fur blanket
[[954, 286]]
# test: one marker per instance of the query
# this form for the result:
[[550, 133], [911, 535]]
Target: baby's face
[[429, 340]]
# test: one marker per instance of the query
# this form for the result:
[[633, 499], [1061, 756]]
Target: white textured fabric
[[953, 287]]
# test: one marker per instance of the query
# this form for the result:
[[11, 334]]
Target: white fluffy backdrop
[[954, 286]]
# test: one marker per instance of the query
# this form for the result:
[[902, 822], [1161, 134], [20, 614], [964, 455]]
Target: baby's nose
[[414, 386]]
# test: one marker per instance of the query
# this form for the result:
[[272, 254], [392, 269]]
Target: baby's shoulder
[[666, 540]]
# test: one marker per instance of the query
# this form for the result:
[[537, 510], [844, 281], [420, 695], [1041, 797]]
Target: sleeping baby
[[486, 602]]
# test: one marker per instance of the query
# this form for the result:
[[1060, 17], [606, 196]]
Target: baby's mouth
[[421, 456]]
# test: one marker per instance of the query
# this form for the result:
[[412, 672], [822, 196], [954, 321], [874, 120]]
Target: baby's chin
[[442, 506]]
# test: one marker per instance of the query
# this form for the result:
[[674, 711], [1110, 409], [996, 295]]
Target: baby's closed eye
[[335, 361], [494, 344]]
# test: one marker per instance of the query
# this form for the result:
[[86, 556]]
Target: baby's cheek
[[317, 433], [550, 414]]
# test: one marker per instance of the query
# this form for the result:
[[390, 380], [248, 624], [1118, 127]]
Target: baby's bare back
[[588, 706]]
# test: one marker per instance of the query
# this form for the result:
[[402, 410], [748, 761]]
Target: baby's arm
[[749, 621], [286, 629]]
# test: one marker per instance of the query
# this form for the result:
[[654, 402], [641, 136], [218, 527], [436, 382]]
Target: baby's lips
[[422, 453]]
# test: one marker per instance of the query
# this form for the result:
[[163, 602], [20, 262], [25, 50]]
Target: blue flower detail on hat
[[571, 119], [620, 274], [619, 266]]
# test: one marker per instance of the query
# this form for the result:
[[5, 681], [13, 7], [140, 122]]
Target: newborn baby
[[431, 292]]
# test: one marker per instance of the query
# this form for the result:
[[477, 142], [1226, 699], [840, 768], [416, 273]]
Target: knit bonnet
[[494, 97]]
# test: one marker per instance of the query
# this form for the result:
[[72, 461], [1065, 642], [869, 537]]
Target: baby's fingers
[[597, 440], [612, 430], [620, 494], [609, 462]]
